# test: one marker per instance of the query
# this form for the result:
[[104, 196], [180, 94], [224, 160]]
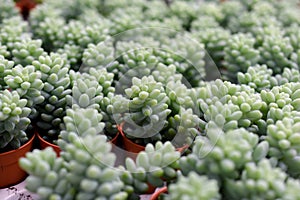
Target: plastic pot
[[25, 7], [128, 144], [43, 144], [10, 172], [156, 194]]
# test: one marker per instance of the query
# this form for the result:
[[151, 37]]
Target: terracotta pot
[[44, 144], [10, 172], [156, 194], [115, 140], [25, 6], [133, 149], [128, 144]]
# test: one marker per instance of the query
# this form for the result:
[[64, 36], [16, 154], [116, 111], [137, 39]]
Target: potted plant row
[[90, 78]]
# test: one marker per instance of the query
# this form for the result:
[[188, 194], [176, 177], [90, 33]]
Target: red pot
[[128, 144], [25, 7], [10, 172], [156, 194], [43, 144]]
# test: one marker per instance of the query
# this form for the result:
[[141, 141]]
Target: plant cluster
[[80, 71]]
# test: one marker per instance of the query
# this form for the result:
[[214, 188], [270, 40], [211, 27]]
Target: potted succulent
[[192, 186], [142, 112], [55, 76], [15, 138], [152, 167], [85, 166]]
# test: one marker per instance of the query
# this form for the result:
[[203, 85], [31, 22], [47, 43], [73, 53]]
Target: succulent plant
[[282, 101], [143, 109], [86, 93], [55, 76], [73, 55], [83, 122], [275, 52], [261, 181], [203, 22], [5, 69], [124, 19], [182, 128], [211, 9], [251, 22], [7, 9], [231, 9], [98, 56], [152, 166], [215, 41], [221, 155], [283, 139], [188, 57], [27, 82], [185, 11], [194, 187], [26, 51], [84, 170], [48, 31], [134, 63], [12, 30], [240, 54], [14, 120], [258, 77]]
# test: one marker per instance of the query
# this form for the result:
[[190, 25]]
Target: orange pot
[[159, 192], [115, 140], [43, 144], [10, 172], [128, 144], [25, 6]]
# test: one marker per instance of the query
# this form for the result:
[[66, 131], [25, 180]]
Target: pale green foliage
[[48, 176], [240, 54], [83, 122], [14, 120], [258, 77], [7, 9], [55, 76], [284, 139], [27, 82], [215, 41], [143, 108], [98, 56], [153, 165], [194, 187], [5, 69], [203, 22], [12, 30], [182, 128], [83, 171], [220, 155], [26, 51], [282, 101], [261, 181], [187, 55]]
